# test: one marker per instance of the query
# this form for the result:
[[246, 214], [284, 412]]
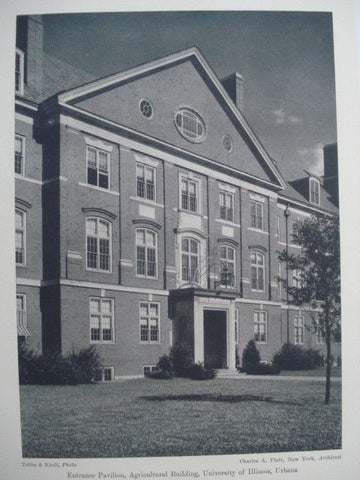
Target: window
[[279, 279], [98, 244], [257, 261], [149, 369], [190, 125], [299, 330], [257, 214], [314, 191], [19, 154], [149, 322], [228, 143], [20, 225], [105, 374], [278, 229], [146, 108], [146, 253], [296, 278], [226, 206], [19, 72], [260, 326], [189, 194], [190, 251], [145, 182], [97, 167], [21, 318], [101, 320], [227, 266]]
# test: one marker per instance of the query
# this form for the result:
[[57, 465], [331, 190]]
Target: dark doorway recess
[[215, 338]]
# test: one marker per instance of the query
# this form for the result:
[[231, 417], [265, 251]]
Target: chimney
[[233, 84], [29, 39], [331, 177]]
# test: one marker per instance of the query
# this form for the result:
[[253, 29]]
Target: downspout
[[287, 214]]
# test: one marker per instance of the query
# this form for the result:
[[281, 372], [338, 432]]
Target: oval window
[[146, 108], [190, 125]]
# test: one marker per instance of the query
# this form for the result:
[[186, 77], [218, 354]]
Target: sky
[[285, 58]]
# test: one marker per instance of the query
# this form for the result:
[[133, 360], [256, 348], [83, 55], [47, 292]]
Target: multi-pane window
[[190, 125], [190, 251], [146, 253], [145, 181], [19, 154], [226, 206], [257, 261], [101, 320], [21, 318], [296, 278], [319, 334], [149, 322], [314, 191], [98, 244], [236, 326], [257, 214], [189, 195], [280, 279], [105, 374], [299, 330], [260, 326], [20, 224], [227, 265], [19, 71], [97, 167]]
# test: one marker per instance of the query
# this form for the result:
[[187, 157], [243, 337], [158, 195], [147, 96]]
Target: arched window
[[257, 261], [227, 266], [190, 255], [314, 191], [146, 253], [98, 244]]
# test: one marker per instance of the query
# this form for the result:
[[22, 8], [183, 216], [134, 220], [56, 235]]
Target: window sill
[[99, 189], [253, 229], [148, 202], [149, 343], [99, 342], [146, 277], [227, 222], [107, 272]]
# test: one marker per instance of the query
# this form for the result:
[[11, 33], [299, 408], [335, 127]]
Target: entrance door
[[215, 338]]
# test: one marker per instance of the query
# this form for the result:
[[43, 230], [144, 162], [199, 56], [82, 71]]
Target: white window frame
[[225, 212], [258, 267], [299, 330], [280, 278], [21, 230], [320, 338], [296, 278], [98, 151], [189, 179], [255, 216], [21, 71], [101, 372], [190, 255], [236, 326], [149, 318], [149, 369], [21, 315], [314, 191], [227, 261], [260, 318], [22, 154], [98, 241], [145, 184], [147, 247], [102, 314]]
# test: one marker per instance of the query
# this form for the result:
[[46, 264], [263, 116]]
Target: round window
[[190, 125], [146, 108], [228, 143]]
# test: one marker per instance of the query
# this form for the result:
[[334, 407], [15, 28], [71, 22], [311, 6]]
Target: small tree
[[318, 274], [250, 356]]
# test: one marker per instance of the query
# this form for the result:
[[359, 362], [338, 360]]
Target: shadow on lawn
[[217, 398]]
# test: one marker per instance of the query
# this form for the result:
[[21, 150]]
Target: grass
[[144, 417], [317, 372]]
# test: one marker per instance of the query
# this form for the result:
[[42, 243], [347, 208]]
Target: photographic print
[[177, 234]]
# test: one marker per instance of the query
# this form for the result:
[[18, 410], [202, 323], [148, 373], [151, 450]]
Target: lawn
[[317, 372], [144, 417]]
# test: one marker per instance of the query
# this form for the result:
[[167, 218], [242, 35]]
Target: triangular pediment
[[179, 81]]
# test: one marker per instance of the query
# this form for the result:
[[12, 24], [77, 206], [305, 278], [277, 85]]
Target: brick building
[[148, 212]]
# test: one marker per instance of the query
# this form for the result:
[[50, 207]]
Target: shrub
[[294, 357], [52, 368], [250, 356], [263, 369], [198, 371], [164, 364], [160, 375], [181, 359]]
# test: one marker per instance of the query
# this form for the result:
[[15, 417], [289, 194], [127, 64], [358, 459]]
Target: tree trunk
[[328, 366]]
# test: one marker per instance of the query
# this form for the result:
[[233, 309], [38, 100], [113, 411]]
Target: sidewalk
[[243, 376]]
